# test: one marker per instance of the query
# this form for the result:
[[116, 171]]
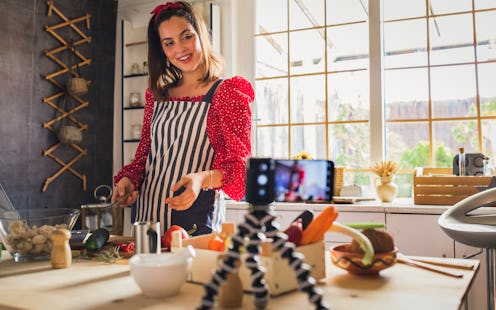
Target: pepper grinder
[[61, 256]]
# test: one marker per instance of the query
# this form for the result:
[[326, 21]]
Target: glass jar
[[134, 99]]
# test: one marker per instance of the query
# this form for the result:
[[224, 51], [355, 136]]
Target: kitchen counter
[[398, 206], [96, 285]]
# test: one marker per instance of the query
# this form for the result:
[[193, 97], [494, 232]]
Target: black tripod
[[259, 221]]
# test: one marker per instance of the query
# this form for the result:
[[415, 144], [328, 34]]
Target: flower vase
[[386, 190]]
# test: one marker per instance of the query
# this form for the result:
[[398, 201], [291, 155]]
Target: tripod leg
[[251, 227], [306, 283], [252, 262]]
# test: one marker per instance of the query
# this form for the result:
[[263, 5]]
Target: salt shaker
[[61, 256]]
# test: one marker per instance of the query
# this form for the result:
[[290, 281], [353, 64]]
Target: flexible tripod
[[258, 221]]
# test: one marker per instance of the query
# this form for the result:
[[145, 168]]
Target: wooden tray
[[438, 186]]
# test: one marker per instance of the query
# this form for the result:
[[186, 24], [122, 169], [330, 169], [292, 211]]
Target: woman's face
[[181, 44]]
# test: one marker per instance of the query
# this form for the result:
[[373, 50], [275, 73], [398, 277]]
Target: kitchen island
[[90, 284]]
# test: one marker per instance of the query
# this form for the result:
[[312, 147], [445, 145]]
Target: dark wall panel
[[23, 168]]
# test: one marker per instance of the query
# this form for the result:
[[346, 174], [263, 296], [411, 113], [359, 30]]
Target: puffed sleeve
[[229, 131], [135, 170]]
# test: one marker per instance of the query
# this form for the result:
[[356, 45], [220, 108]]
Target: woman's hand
[[192, 184], [124, 193]]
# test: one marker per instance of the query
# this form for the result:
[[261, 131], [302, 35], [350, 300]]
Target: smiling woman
[[196, 128]]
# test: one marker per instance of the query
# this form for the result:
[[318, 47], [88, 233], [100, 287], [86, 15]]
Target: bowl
[[26, 233], [352, 261], [160, 274]]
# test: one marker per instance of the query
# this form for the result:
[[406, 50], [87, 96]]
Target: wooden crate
[[279, 276], [438, 186]]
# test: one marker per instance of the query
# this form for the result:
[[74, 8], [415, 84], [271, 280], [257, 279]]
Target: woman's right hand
[[124, 193]]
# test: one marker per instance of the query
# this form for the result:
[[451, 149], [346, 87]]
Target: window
[[313, 82]]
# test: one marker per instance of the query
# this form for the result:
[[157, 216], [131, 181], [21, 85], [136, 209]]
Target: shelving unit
[[134, 80]]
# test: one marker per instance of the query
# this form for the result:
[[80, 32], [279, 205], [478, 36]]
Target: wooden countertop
[[96, 285]]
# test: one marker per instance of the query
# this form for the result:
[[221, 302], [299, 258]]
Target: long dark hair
[[162, 74]]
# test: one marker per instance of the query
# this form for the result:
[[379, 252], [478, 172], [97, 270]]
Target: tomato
[[295, 232], [166, 239], [217, 243]]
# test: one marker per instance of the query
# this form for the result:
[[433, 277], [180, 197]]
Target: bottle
[[61, 255], [461, 162], [487, 168]]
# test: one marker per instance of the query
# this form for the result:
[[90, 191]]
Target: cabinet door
[[477, 296], [419, 234]]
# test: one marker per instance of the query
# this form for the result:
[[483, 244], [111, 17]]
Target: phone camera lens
[[261, 192], [262, 179], [263, 167]]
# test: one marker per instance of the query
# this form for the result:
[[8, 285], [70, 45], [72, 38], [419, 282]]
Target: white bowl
[[160, 275]]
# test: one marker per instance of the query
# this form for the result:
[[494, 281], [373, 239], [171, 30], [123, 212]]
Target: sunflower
[[303, 155]]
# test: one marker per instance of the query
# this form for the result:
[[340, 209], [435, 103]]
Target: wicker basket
[[338, 180]]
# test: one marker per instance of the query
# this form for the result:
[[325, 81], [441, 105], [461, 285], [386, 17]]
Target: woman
[[196, 128]]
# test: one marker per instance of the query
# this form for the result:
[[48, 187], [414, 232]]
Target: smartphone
[[287, 180], [304, 180]]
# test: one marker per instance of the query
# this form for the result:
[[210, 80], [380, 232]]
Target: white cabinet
[[232, 216], [134, 83], [477, 296], [420, 235]]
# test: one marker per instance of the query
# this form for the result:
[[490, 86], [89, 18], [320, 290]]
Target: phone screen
[[304, 180]]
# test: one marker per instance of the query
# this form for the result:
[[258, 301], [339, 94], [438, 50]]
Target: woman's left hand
[[191, 184]]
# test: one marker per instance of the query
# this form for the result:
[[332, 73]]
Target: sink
[[472, 221]]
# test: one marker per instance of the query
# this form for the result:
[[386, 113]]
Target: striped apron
[[179, 145]]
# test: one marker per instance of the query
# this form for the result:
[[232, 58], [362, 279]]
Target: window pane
[[272, 55], [406, 94], [349, 145], [350, 46], [394, 9], [484, 4], [449, 136], [272, 142], [451, 39], [308, 99], [450, 6], [272, 101], [485, 25], [348, 96], [489, 140], [346, 11], [405, 184], [453, 91], [272, 16], [306, 14], [310, 139], [408, 144], [307, 51], [487, 89], [405, 43]]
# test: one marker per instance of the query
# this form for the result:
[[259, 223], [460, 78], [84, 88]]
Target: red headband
[[168, 6]]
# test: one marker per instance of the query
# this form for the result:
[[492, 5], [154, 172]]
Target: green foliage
[[417, 157], [443, 157]]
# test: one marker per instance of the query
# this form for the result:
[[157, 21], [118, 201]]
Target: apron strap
[[210, 94]]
